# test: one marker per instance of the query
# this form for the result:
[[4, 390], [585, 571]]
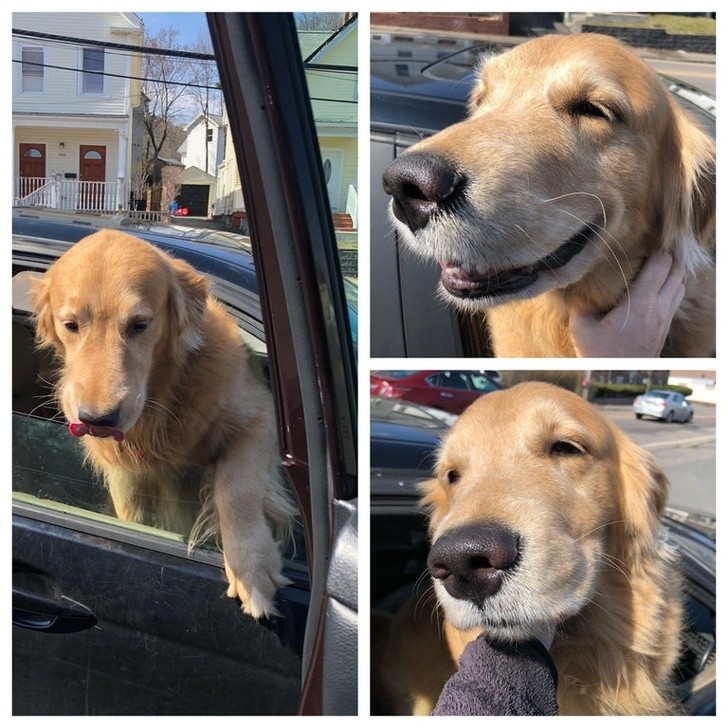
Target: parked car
[[402, 455], [664, 405], [451, 391], [419, 85], [117, 618]]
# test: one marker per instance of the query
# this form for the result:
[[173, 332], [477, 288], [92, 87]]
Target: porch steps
[[342, 221]]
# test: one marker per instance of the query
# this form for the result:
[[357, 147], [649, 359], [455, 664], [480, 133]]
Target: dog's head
[[536, 497], [117, 311], [574, 161]]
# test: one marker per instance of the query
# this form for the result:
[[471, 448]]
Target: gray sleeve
[[500, 678]]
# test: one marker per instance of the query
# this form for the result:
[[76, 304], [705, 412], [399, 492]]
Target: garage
[[197, 192]]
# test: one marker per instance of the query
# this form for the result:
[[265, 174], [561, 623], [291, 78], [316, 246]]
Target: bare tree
[[206, 91], [319, 21], [165, 101]]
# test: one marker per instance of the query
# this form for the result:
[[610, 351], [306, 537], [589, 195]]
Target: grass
[[673, 24]]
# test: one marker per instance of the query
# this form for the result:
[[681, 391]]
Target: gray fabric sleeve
[[500, 678]]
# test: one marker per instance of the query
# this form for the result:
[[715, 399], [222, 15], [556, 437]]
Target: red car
[[450, 391]]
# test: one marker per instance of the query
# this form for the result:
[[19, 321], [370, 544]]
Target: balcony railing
[[69, 194]]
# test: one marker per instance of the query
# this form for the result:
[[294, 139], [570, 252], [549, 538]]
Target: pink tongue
[[79, 429]]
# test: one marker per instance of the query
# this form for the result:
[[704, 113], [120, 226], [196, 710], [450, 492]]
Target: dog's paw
[[254, 576]]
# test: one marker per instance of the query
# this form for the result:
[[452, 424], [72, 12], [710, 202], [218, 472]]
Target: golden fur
[[139, 335], [585, 503], [567, 134]]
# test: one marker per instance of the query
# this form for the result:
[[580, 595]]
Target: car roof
[[225, 256], [420, 82]]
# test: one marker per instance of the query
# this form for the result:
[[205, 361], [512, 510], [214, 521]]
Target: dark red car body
[[451, 391]]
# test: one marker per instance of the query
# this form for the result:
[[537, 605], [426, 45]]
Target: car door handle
[[446, 395], [36, 607]]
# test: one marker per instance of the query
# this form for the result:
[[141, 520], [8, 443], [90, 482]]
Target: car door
[[115, 619], [304, 299], [450, 391]]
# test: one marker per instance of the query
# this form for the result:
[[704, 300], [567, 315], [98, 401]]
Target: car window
[[481, 383], [183, 192], [451, 380]]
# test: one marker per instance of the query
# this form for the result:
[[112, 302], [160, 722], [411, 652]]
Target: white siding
[[62, 92]]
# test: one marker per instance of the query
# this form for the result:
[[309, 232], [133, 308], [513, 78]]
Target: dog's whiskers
[[595, 229]]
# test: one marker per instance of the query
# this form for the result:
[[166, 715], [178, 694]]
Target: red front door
[[92, 174], [31, 168]]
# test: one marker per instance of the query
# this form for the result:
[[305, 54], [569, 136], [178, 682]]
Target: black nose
[[100, 419], [420, 183], [471, 561]]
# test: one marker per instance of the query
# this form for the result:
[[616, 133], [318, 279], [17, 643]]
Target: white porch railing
[[70, 194], [352, 205]]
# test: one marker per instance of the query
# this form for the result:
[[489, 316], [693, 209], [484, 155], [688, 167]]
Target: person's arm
[[639, 324], [499, 678]]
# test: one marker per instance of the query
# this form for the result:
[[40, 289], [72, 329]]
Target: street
[[686, 452], [698, 74]]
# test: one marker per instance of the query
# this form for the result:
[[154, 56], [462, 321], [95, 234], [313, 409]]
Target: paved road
[[686, 452], [700, 75]]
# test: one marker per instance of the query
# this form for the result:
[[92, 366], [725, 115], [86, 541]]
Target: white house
[[72, 108], [330, 63], [204, 145]]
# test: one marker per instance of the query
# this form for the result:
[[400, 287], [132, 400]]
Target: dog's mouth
[[79, 429], [473, 283]]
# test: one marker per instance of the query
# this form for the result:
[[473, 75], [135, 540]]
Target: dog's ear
[[187, 297], [688, 204], [641, 497], [40, 296]]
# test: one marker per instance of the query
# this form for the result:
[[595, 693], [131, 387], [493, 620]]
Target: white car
[[663, 404]]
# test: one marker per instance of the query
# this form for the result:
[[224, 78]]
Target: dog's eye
[[137, 327], [565, 447], [71, 326], [589, 109], [452, 476]]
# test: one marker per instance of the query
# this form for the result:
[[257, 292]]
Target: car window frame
[[303, 302]]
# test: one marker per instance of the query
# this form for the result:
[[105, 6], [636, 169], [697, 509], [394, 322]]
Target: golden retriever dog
[[157, 383], [544, 515], [573, 166]]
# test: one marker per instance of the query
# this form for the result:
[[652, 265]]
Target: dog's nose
[[100, 419], [420, 183], [471, 561]]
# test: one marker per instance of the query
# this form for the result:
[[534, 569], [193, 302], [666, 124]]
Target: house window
[[32, 69], [93, 68]]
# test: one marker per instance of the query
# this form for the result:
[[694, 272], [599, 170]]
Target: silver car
[[663, 404]]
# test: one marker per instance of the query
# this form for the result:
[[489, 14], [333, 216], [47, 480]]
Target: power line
[[119, 46], [158, 51], [188, 84]]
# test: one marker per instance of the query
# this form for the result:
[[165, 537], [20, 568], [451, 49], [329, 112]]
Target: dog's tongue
[[79, 429]]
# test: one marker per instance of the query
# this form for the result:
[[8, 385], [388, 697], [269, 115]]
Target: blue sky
[[189, 25]]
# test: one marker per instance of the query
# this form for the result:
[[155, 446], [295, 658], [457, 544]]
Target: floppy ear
[[187, 297], [688, 205], [641, 498], [40, 295]]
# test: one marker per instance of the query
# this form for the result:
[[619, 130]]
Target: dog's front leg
[[245, 480]]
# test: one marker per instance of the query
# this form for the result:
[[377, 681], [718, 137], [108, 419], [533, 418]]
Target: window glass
[[32, 69], [481, 383], [93, 68], [184, 194]]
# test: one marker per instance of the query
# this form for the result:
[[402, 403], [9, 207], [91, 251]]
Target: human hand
[[639, 324]]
